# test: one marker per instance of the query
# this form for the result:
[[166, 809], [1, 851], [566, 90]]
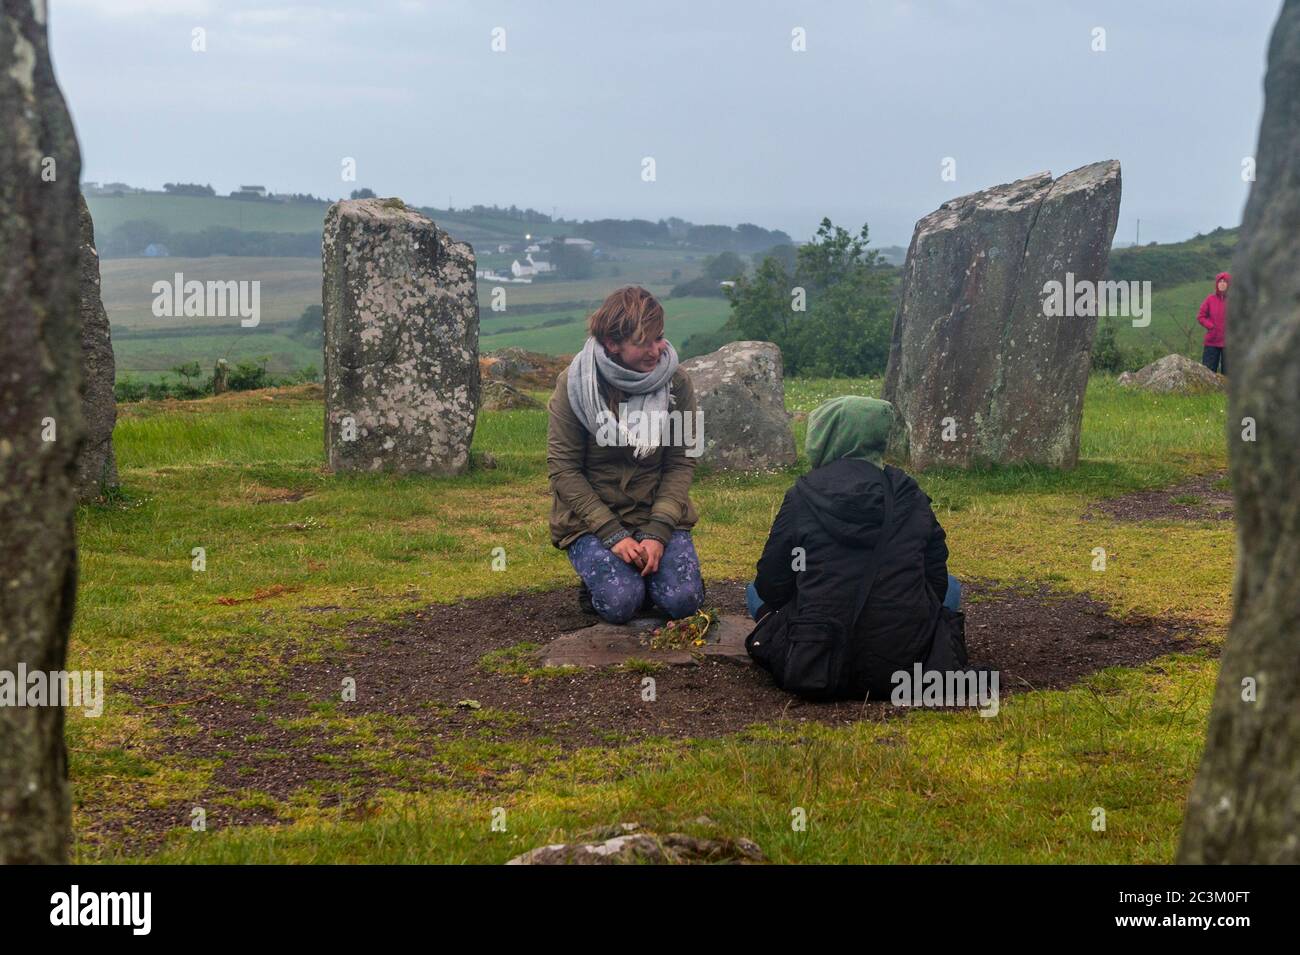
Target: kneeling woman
[[620, 504], [853, 583]]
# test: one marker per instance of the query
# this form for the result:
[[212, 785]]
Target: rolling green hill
[[1181, 275], [196, 213]]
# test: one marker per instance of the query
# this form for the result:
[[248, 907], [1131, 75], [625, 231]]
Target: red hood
[[1221, 275]]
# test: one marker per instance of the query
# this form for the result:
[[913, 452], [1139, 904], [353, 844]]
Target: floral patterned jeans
[[618, 589]]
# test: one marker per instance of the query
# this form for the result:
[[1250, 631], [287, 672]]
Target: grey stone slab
[[608, 644]]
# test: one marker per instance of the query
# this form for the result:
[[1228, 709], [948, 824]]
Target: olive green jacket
[[597, 489]]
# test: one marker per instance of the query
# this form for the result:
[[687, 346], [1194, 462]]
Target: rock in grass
[[401, 341], [1174, 374], [632, 846], [521, 368], [979, 368], [499, 396], [740, 390], [96, 465]]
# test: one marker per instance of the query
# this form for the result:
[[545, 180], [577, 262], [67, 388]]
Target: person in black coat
[[841, 602]]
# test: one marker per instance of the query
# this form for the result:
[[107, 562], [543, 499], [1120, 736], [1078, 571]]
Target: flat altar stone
[[610, 644]]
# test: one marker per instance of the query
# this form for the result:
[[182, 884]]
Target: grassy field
[[153, 358], [288, 285], [242, 476], [148, 347]]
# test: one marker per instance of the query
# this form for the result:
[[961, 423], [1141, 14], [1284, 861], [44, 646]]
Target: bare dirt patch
[[1199, 499], [423, 687]]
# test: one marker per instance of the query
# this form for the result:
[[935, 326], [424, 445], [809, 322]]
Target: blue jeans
[[1214, 358], [951, 600], [618, 589]]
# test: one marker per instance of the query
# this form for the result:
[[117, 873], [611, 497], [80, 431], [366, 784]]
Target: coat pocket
[[810, 662]]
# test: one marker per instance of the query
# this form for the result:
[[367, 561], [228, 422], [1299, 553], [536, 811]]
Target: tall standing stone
[[97, 465], [740, 390], [1245, 804], [40, 428], [978, 368], [401, 341]]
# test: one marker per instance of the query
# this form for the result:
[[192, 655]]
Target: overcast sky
[[741, 127]]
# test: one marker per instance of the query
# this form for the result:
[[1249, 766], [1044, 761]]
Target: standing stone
[[1244, 806], [401, 341], [40, 428], [97, 465], [977, 369], [221, 377], [740, 390]]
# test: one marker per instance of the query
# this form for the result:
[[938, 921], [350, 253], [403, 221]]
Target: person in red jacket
[[1212, 316]]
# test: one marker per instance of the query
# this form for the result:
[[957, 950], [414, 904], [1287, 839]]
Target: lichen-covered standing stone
[[977, 370], [97, 465], [401, 341], [740, 390]]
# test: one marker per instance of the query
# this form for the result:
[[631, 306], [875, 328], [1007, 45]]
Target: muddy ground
[[425, 667], [1197, 499]]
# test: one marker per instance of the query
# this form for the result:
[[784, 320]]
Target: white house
[[581, 243], [529, 267]]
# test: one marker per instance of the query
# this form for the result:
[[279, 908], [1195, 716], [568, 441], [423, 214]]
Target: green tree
[[188, 370], [831, 316], [571, 261], [724, 267]]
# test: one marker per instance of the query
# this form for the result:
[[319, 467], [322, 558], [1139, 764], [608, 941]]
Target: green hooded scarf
[[849, 427]]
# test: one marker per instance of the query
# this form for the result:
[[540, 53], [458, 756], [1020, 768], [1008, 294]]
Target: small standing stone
[[96, 465], [401, 341], [221, 377]]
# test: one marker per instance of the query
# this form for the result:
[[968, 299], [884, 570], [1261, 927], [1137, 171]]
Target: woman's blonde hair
[[629, 314]]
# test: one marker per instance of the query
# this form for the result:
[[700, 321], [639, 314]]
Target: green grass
[[242, 477], [147, 359]]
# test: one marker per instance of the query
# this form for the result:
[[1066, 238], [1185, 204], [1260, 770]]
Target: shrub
[[248, 375]]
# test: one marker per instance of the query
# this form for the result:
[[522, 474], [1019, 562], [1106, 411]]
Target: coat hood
[[846, 497], [849, 426], [1221, 275]]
